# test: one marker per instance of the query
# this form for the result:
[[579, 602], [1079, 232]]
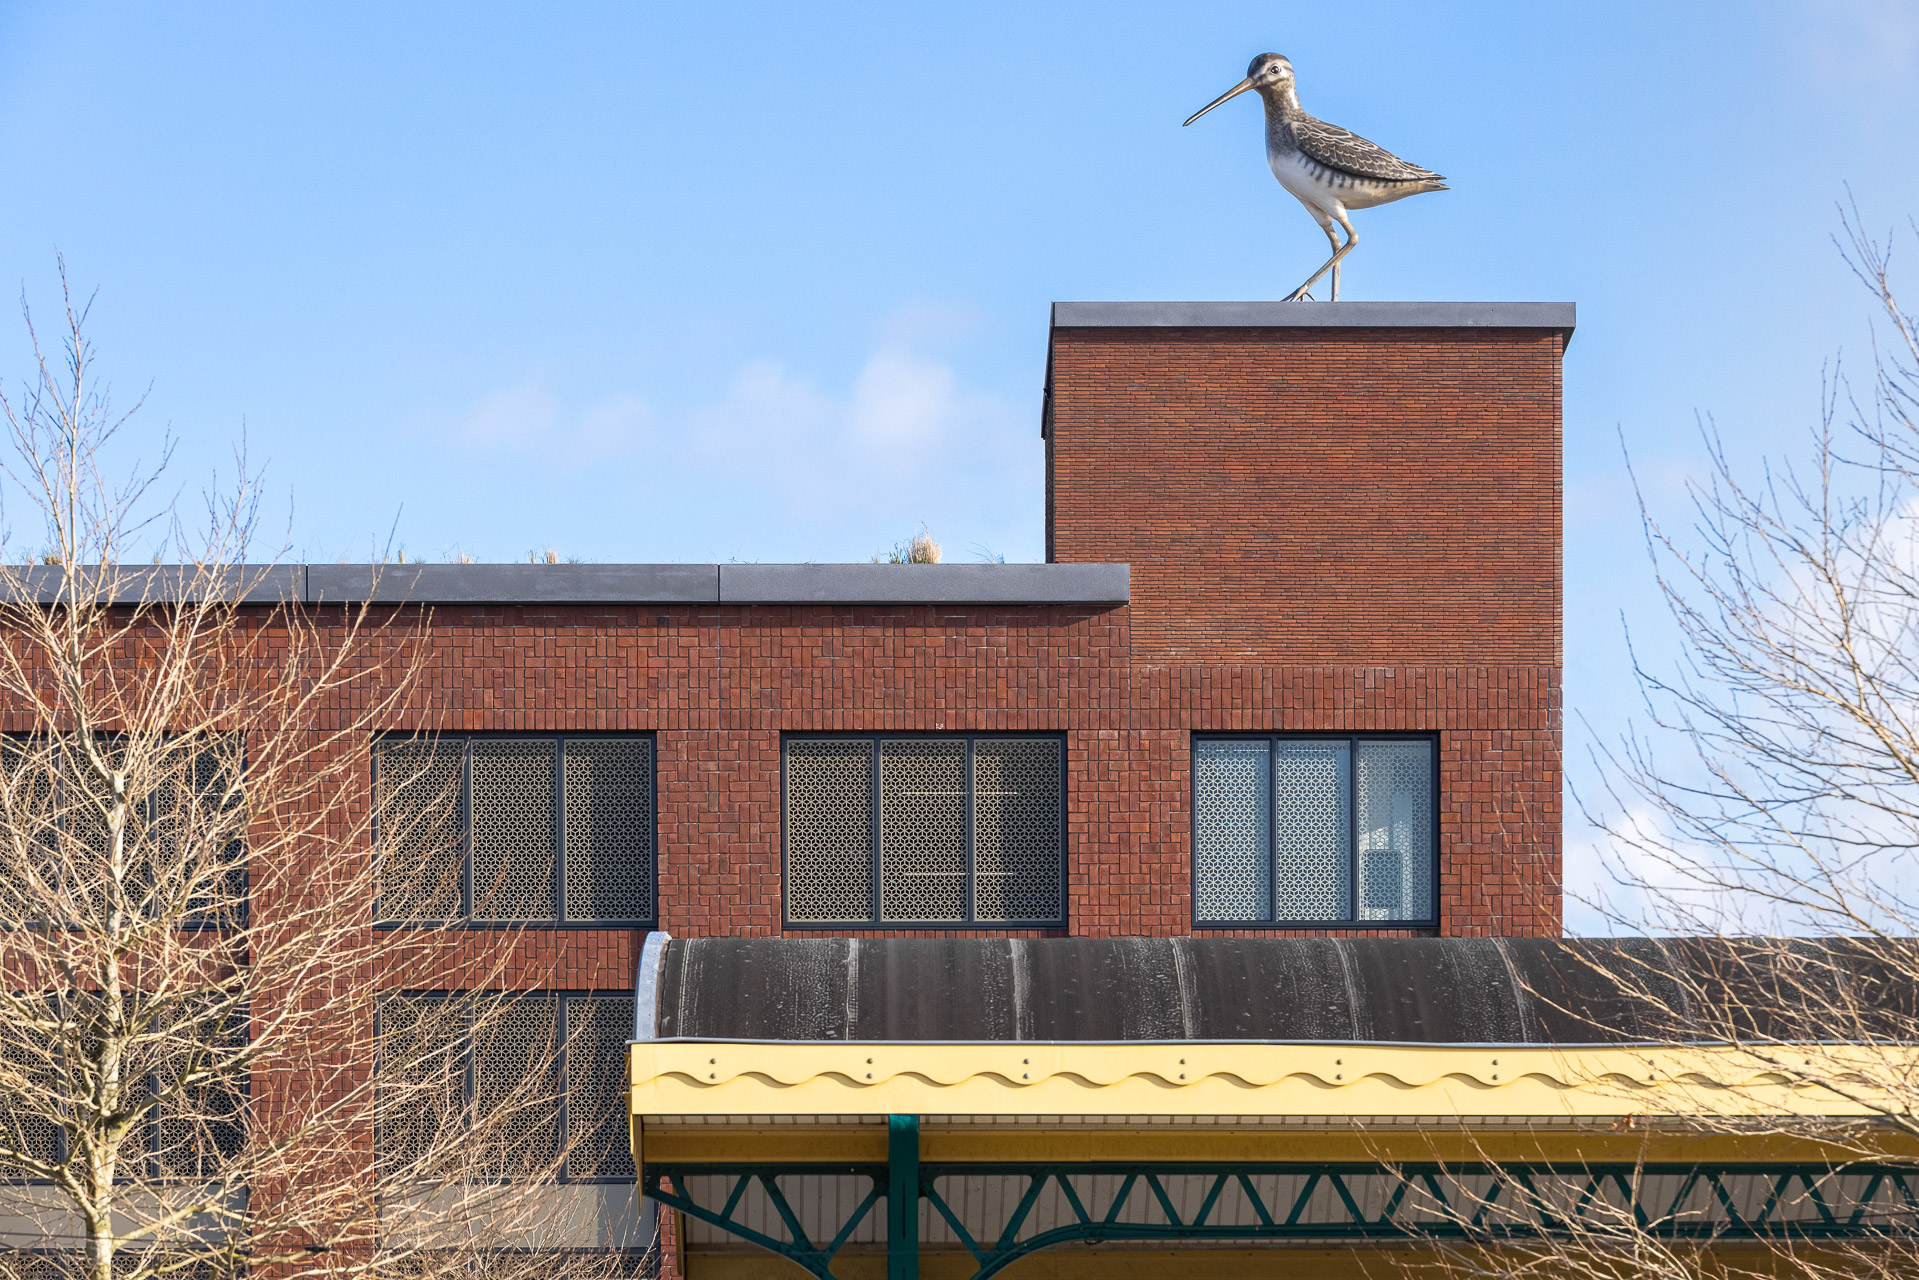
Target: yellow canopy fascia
[[677, 1078]]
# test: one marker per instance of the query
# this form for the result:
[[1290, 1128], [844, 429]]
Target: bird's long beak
[[1233, 92]]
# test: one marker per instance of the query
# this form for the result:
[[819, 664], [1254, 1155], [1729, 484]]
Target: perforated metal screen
[[183, 843], [422, 1066], [501, 829], [1312, 830], [598, 1028], [1232, 830], [1017, 820], [1284, 829], [516, 1082], [923, 829], [26, 883], [1395, 812], [208, 1124], [24, 1050], [419, 787], [199, 826], [609, 829], [542, 1070], [829, 830], [949, 830], [513, 828]]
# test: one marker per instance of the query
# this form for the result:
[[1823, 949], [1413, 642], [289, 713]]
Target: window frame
[[1273, 920], [876, 920], [558, 870], [469, 1079]]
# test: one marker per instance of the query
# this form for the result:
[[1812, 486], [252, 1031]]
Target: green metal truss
[[1512, 1205]]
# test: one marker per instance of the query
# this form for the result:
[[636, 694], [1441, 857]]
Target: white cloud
[[1855, 41], [517, 416], [807, 467], [529, 419], [902, 402], [1614, 883], [895, 447], [768, 421]]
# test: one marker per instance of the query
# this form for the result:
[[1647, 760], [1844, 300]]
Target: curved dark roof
[[1415, 990]]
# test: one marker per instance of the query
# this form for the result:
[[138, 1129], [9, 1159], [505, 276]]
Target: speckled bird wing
[[1337, 148]]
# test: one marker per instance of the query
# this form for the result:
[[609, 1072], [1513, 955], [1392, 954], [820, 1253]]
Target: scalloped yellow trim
[[1222, 1079]]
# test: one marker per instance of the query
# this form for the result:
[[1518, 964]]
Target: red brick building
[[1190, 899], [1291, 670], [1266, 528]]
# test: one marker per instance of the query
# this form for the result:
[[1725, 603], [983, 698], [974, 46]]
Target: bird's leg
[[1305, 292], [1339, 251]]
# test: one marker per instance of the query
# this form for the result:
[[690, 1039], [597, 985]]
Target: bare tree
[[1768, 825], [1794, 806], [214, 1053]]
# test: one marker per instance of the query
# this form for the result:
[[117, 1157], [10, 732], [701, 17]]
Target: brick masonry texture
[[1314, 495], [1330, 531]]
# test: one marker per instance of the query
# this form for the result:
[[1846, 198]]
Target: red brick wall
[[719, 714], [1329, 530], [1360, 496]]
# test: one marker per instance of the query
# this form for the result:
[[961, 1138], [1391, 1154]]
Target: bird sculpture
[[1327, 169]]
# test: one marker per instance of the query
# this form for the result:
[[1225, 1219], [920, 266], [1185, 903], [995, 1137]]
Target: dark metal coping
[[622, 583], [1557, 316], [1365, 990]]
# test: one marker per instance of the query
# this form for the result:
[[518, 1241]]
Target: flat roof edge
[[514, 584], [521, 584], [1559, 316], [925, 583]]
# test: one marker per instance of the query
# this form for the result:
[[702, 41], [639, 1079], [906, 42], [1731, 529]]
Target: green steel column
[[902, 1198]]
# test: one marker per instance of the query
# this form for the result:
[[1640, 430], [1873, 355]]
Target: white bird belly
[[1304, 178], [1325, 190]]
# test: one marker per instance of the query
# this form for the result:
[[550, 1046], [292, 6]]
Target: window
[[179, 1132], [454, 1056], [925, 830], [495, 829], [184, 841], [1285, 828]]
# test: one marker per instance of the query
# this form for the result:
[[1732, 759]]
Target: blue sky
[[651, 282]]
